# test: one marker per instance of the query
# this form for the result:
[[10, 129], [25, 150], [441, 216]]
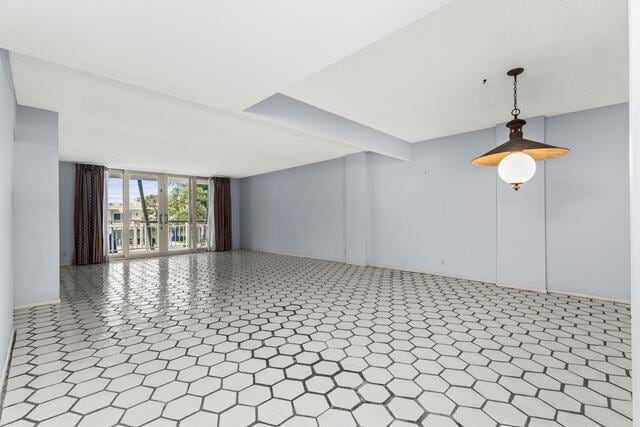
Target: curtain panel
[[222, 213], [88, 218]]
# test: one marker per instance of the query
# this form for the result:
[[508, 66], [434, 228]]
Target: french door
[[155, 214]]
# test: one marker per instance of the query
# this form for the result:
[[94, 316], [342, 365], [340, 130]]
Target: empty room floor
[[248, 338]]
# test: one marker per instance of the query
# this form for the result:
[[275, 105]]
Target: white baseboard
[[431, 273], [502, 285], [520, 287], [469, 279], [4, 375], [299, 256], [36, 304], [579, 295]]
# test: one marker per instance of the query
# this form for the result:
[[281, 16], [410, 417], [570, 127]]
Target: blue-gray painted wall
[[309, 118], [357, 210], [7, 129], [520, 220], [295, 211], [35, 207], [588, 203], [67, 190], [438, 213]]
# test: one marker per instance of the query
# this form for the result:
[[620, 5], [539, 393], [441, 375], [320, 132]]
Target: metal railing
[[114, 238], [179, 236]]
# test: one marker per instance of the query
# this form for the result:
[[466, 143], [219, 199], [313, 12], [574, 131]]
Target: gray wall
[[357, 208], [7, 126], [35, 207], [521, 256], [308, 118], [296, 211], [588, 203], [67, 187], [438, 213]]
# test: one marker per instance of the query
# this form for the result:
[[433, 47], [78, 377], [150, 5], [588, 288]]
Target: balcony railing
[[179, 232]]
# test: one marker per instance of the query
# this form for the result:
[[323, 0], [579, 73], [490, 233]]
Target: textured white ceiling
[[161, 85], [123, 126], [425, 80], [227, 54], [151, 69]]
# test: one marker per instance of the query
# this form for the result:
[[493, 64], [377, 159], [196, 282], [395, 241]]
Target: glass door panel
[[115, 213], [201, 209], [143, 213], [178, 215], [153, 213]]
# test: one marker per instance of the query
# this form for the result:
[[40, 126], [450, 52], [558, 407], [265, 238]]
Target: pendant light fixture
[[516, 158]]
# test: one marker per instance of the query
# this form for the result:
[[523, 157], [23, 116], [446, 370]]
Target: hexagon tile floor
[[247, 338]]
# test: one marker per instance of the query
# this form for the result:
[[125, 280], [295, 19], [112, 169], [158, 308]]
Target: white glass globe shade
[[517, 168]]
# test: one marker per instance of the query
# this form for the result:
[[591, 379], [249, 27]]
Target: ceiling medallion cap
[[515, 72]]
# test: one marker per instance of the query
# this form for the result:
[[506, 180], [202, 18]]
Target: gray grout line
[[306, 321]]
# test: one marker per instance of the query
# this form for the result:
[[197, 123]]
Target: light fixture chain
[[516, 111], [515, 92]]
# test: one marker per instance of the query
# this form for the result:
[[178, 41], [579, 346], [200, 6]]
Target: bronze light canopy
[[517, 143]]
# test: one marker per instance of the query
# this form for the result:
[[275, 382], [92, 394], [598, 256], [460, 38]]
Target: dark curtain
[[222, 213], [88, 225]]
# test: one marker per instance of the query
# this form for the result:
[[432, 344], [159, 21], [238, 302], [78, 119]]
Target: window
[[115, 208], [155, 213], [202, 212], [144, 199], [178, 206]]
